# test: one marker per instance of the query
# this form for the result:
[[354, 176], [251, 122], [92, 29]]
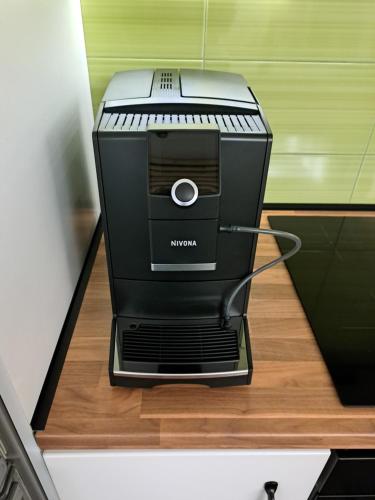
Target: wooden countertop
[[291, 402]]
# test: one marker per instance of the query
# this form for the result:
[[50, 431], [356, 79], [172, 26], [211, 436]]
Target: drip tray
[[148, 353]]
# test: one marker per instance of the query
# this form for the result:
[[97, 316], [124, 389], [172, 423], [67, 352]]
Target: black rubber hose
[[228, 301]]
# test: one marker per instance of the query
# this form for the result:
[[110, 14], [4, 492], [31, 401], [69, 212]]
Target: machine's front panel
[[127, 199], [242, 174], [175, 299], [124, 177]]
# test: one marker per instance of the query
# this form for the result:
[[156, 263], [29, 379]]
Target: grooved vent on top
[[180, 344], [137, 122], [166, 81]]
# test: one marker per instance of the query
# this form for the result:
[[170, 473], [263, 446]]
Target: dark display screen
[[184, 154]]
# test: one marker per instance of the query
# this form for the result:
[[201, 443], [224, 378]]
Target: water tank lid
[[215, 85], [132, 84]]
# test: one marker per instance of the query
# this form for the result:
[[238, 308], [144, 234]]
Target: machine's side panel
[[95, 141], [262, 190]]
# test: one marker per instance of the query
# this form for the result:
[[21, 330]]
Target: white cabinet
[[48, 201], [184, 474]]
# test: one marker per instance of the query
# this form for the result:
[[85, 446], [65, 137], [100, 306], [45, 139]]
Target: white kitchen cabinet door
[[184, 474]]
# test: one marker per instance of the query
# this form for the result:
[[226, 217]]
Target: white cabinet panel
[[48, 192], [184, 475]]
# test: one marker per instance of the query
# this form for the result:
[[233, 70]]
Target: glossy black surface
[[334, 275], [347, 474], [181, 154], [185, 192]]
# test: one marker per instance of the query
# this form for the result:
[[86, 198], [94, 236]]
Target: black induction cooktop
[[334, 275]]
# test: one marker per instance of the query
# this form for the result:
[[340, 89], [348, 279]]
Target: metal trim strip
[[180, 376], [179, 100], [203, 266]]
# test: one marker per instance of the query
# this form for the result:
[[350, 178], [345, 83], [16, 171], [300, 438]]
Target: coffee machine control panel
[[184, 192]]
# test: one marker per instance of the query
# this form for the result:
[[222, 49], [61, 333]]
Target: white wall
[[48, 194]]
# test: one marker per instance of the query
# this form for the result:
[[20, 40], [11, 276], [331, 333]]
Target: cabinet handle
[[270, 488]]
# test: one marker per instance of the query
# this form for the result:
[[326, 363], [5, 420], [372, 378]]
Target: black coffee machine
[[181, 155]]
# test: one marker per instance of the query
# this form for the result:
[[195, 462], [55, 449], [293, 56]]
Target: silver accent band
[[184, 203], [180, 100], [204, 266], [182, 126], [180, 376]]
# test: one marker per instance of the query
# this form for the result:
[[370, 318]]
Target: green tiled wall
[[310, 62]]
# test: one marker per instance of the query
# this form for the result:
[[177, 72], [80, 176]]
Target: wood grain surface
[[291, 402]]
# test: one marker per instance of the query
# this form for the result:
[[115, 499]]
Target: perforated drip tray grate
[[178, 344], [150, 352]]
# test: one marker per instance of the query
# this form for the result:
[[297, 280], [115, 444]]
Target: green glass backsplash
[[311, 63]]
